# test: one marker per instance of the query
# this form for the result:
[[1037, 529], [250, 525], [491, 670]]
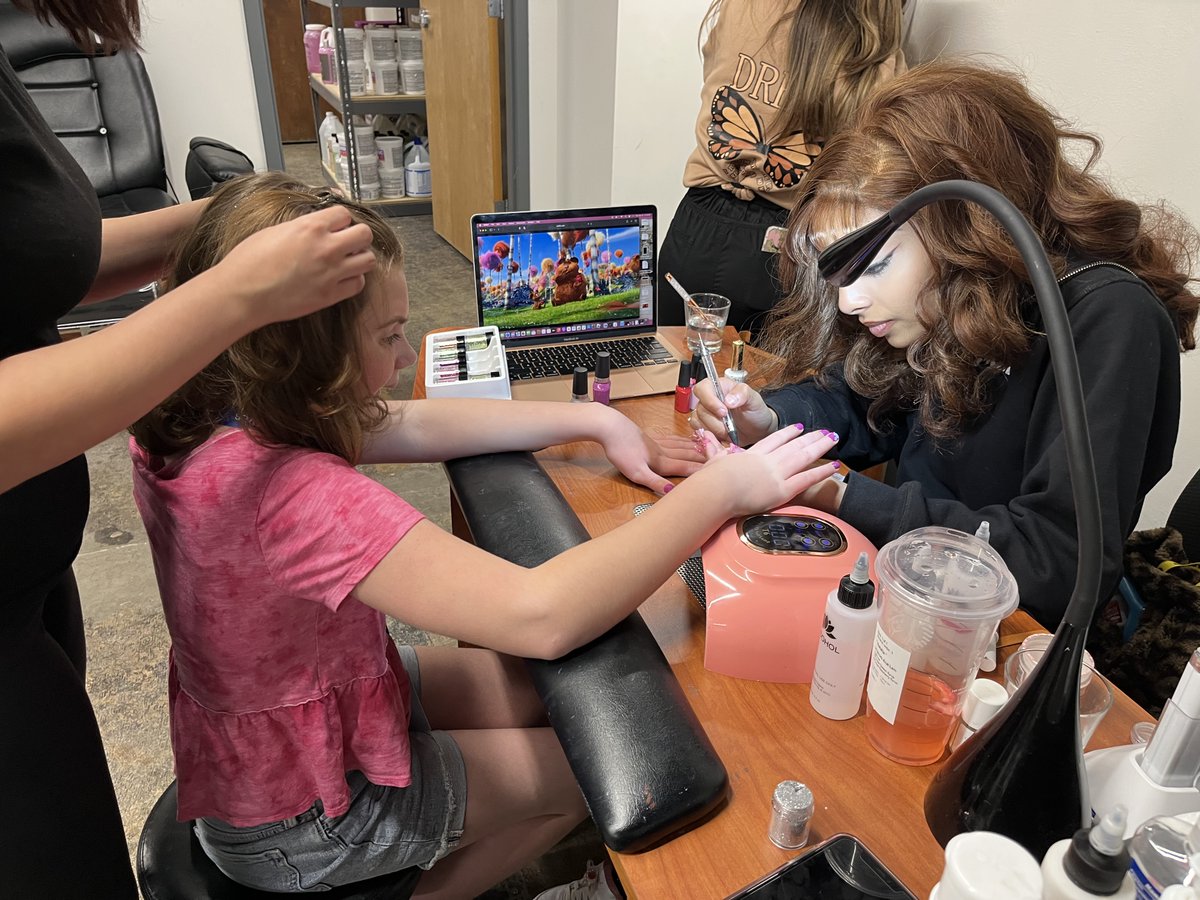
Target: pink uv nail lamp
[[766, 580]]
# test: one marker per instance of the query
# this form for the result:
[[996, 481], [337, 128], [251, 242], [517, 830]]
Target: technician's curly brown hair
[[296, 383], [957, 120], [117, 23]]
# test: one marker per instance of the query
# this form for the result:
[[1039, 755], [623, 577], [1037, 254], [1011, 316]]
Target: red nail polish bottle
[[683, 390]]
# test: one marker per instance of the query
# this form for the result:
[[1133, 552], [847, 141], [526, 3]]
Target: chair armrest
[[209, 162], [646, 768]]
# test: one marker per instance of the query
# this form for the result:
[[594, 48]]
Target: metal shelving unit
[[360, 105]]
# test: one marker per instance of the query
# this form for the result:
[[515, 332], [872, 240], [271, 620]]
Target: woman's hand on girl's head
[[753, 418], [298, 267], [648, 460], [776, 469]]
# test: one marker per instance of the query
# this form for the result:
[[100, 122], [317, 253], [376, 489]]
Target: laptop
[[561, 285]]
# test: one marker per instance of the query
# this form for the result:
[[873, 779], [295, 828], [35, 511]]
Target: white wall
[[658, 80], [199, 65], [572, 56]]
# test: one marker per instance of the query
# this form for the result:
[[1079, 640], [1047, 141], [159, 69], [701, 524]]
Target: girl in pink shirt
[[310, 750]]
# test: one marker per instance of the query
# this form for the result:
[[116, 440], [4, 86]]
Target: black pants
[[60, 835], [714, 243]]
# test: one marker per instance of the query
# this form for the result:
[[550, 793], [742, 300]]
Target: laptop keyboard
[[561, 359]]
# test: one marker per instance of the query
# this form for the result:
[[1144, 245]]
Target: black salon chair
[[172, 866], [102, 109]]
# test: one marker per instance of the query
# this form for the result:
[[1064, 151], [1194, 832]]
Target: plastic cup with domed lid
[[982, 865], [941, 593]]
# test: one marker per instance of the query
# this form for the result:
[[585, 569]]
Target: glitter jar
[[791, 813]]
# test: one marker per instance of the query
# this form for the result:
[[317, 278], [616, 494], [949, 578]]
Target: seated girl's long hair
[[957, 120], [297, 383]]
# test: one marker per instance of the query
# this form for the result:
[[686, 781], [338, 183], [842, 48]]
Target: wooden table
[[765, 733]]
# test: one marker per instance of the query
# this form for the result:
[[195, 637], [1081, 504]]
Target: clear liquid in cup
[[927, 713], [698, 330]]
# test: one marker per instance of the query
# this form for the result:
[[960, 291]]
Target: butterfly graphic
[[735, 130]]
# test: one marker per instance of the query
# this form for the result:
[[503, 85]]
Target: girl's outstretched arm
[[432, 580], [57, 401], [436, 430]]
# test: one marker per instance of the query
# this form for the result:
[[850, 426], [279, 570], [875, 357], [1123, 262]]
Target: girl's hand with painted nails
[[648, 459], [298, 267], [752, 417], [776, 469]]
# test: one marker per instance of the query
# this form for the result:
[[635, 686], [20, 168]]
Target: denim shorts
[[386, 828]]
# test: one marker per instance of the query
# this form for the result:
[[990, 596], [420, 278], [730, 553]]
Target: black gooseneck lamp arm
[[1022, 773]]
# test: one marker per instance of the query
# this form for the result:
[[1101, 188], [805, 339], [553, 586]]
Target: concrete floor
[[127, 640]]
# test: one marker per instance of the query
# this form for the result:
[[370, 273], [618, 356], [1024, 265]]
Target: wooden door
[[463, 104]]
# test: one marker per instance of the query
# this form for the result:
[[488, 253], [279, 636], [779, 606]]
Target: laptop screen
[[566, 275]]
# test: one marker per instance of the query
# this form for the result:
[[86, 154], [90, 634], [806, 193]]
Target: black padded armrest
[[646, 768], [209, 162]]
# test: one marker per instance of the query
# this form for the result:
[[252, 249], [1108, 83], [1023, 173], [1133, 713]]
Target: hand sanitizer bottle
[[1093, 863], [1165, 850], [844, 648]]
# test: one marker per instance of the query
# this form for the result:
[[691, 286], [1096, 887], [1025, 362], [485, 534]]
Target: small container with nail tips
[[791, 813]]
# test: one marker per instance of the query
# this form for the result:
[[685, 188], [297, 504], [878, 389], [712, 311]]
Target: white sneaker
[[592, 886]]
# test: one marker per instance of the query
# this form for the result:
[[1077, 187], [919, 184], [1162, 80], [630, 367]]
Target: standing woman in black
[[62, 836]]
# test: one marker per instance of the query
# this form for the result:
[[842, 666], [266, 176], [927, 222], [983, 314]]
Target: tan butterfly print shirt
[[745, 79]]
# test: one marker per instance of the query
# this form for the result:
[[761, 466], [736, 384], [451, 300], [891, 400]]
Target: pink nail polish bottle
[[601, 386]]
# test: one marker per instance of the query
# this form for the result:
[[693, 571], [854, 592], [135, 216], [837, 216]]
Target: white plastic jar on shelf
[[412, 76], [381, 43], [385, 77]]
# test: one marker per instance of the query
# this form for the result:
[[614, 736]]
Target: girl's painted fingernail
[[825, 431], [832, 435], [798, 426], [668, 487], [837, 464]]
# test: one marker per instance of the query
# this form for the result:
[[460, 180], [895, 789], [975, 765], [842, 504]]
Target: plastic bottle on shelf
[[1093, 863], [844, 648], [312, 47], [417, 179], [1163, 851], [327, 53], [327, 140]]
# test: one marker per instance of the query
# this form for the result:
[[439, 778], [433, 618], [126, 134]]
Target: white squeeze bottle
[[1093, 863], [844, 648]]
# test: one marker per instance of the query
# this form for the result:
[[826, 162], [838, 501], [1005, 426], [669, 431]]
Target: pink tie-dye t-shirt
[[280, 682]]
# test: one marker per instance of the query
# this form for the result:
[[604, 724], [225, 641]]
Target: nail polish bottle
[[601, 386], [579, 392], [735, 372], [698, 375], [683, 390]]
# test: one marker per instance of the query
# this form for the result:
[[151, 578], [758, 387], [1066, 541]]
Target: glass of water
[[708, 326]]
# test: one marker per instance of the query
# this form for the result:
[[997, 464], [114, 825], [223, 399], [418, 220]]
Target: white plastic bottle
[[844, 648], [985, 864], [1164, 851], [327, 140], [417, 180], [1093, 863]]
